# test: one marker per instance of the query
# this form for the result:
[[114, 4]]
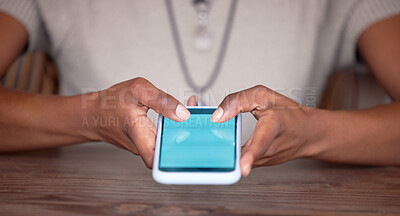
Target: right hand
[[123, 108]]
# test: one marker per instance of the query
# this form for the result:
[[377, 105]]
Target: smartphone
[[197, 151]]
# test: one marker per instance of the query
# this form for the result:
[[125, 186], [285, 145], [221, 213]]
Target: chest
[[271, 43]]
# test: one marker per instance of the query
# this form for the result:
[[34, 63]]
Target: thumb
[[161, 102], [233, 104]]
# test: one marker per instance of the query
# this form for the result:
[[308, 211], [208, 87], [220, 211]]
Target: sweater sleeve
[[27, 13], [364, 14]]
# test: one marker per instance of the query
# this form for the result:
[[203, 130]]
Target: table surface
[[99, 179]]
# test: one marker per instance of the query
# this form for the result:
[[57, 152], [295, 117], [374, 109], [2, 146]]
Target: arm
[[370, 136], [286, 130], [33, 121], [13, 39]]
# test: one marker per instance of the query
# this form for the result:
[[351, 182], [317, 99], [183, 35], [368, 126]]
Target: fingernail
[[217, 114], [182, 112], [246, 170]]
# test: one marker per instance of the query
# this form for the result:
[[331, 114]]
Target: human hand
[[281, 132], [124, 108]]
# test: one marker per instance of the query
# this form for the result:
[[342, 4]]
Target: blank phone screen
[[198, 144]]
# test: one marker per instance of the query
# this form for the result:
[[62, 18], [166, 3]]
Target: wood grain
[[98, 179]]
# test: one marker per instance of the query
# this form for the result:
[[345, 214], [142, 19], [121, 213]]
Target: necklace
[[221, 54]]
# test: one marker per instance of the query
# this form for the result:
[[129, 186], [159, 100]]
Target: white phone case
[[196, 178]]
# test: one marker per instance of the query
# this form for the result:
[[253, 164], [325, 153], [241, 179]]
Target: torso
[[288, 46]]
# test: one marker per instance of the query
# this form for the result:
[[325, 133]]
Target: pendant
[[202, 39]]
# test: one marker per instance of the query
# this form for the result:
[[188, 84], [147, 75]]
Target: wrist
[[91, 116], [316, 131]]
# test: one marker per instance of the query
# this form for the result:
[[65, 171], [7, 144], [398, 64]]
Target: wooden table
[[98, 179]]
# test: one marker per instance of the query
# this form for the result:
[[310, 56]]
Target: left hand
[[282, 131]]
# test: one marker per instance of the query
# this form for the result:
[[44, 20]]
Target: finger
[[245, 147], [161, 102], [192, 101], [280, 151], [126, 144], [262, 137], [242, 101], [284, 156], [143, 134]]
